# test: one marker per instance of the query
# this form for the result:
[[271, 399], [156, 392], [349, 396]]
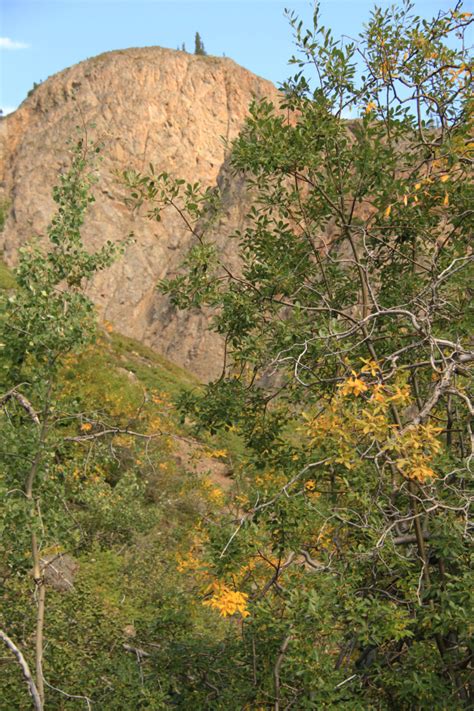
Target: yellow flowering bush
[[361, 413], [226, 601]]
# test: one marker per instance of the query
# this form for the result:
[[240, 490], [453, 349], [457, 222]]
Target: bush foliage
[[336, 571], [348, 362]]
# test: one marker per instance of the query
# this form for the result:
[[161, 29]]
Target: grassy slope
[[121, 364], [115, 352], [6, 278], [122, 582], [150, 368]]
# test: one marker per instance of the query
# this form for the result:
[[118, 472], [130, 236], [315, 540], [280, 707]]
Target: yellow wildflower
[[373, 424], [217, 453], [377, 394], [216, 495], [185, 563], [228, 602], [421, 472], [370, 366], [401, 395], [353, 386]]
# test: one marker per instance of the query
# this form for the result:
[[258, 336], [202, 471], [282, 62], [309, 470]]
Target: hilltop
[[149, 105]]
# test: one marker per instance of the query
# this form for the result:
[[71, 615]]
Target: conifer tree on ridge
[[199, 45]]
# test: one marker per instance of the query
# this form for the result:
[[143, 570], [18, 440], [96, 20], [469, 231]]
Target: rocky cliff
[[166, 107]]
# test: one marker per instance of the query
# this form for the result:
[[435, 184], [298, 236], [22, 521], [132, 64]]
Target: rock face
[[149, 105]]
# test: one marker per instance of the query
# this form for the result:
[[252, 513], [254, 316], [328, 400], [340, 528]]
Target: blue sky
[[40, 37]]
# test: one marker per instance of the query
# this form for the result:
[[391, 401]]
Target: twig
[[25, 669], [23, 401], [276, 671]]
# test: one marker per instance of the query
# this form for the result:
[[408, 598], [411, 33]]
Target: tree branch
[[25, 669]]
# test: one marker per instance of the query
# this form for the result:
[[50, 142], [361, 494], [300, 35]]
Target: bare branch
[[25, 669], [23, 401]]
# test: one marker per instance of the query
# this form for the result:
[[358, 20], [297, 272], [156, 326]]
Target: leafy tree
[[87, 476], [43, 320], [346, 555], [199, 45]]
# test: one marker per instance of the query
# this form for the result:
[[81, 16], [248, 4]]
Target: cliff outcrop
[[148, 105]]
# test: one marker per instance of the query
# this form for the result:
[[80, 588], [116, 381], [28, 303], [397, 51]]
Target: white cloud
[[7, 43], [8, 110]]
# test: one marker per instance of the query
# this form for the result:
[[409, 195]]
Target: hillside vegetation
[[295, 534], [128, 511]]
